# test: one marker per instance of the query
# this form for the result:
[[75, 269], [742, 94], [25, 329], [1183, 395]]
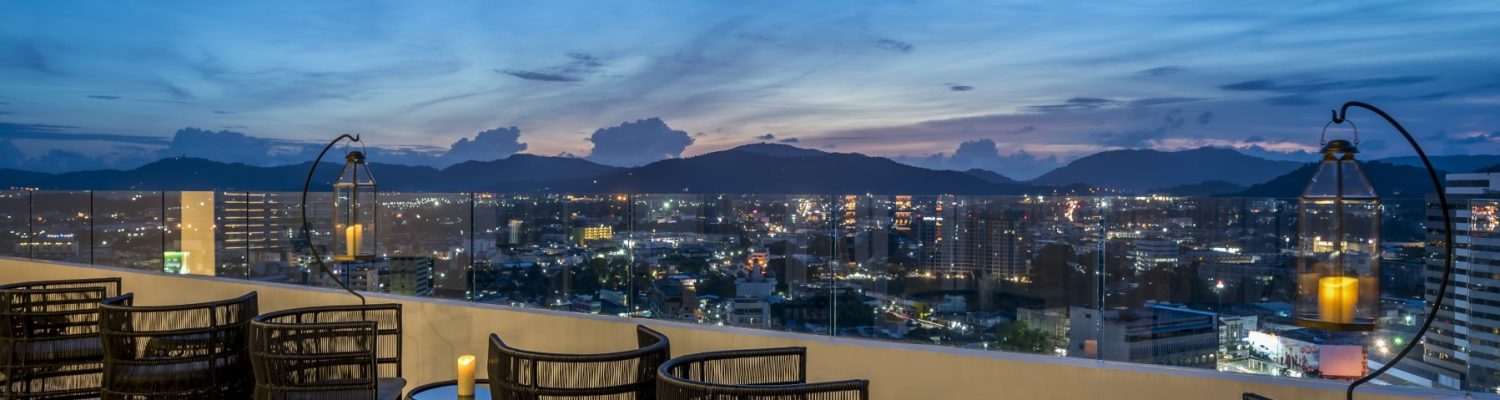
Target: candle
[[466, 375], [1336, 298], [353, 235]]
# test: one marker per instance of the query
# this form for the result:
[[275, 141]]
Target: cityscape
[[690, 200], [1197, 282]]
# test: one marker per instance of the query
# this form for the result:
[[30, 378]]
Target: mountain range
[[756, 169]]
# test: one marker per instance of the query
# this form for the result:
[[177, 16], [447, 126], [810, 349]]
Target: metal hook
[[1323, 137]]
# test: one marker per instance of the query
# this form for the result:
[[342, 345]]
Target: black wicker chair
[[336, 352], [193, 351], [779, 373], [49, 338], [525, 375]]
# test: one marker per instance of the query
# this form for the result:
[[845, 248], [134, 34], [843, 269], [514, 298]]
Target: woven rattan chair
[[193, 351], [336, 352], [526, 375], [779, 373], [49, 338]]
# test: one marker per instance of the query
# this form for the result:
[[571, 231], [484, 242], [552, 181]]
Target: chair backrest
[[775, 373], [522, 374], [313, 357], [388, 327], [54, 309], [190, 348]]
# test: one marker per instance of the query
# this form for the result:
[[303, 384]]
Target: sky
[[1014, 87]]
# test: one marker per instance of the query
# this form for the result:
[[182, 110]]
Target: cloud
[[1078, 104], [1206, 118], [231, 146], [578, 66], [789, 140], [69, 133], [487, 145], [637, 143], [1321, 85], [1017, 131], [1295, 100], [222, 112], [539, 76], [985, 154], [102, 97], [766, 137], [1160, 71], [894, 45], [960, 88], [10, 155]]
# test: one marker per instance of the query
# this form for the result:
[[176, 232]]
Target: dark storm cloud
[[637, 143], [102, 97], [1321, 85]]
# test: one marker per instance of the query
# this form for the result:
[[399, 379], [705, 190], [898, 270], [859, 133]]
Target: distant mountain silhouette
[[778, 150], [1143, 170], [1390, 180], [781, 169], [1208, 188], [1454, 164], [515, 172], [990, 176]]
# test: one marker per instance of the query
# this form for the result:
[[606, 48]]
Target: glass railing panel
[[596, 275], [418, 233], [62, 226], [531, 237], [15, 223], [128, 229]]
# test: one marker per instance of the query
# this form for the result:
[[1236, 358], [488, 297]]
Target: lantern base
[[1361, 325]]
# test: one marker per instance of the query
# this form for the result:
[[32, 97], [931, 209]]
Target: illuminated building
[[1462, 342], [596, 233]]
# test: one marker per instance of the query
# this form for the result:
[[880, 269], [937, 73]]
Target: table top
[[448, 390]]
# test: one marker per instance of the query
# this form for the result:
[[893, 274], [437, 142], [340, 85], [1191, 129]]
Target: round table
[[448, 390]]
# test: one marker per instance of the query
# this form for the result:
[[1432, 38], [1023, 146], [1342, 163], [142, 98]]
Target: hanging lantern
[[354, 211], [1338, 253]]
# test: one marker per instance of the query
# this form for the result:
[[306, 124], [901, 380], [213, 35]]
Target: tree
[[1017, 336]]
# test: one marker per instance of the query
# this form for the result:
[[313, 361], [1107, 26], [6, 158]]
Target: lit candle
[[353, 235], [466, 376], [1336, 298]]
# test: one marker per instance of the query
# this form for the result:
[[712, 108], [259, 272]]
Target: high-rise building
[[1464, 342], [967, 239], [1151, 253]]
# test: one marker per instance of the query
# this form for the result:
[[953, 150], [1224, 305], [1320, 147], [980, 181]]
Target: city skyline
[[943, 85]]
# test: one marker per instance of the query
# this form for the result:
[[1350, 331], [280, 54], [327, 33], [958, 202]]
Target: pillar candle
[[466, 375], [1337, 296]]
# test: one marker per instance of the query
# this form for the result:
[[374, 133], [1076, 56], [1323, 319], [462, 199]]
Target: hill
[[1390, 180], [1144, 170], [1454, 164], [771, 170], [517, 171]]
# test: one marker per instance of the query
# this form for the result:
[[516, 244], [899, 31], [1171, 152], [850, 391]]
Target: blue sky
[[625, 82]]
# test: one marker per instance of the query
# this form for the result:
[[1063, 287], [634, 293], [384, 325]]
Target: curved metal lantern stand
[[307, 229], [1339, 118]]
